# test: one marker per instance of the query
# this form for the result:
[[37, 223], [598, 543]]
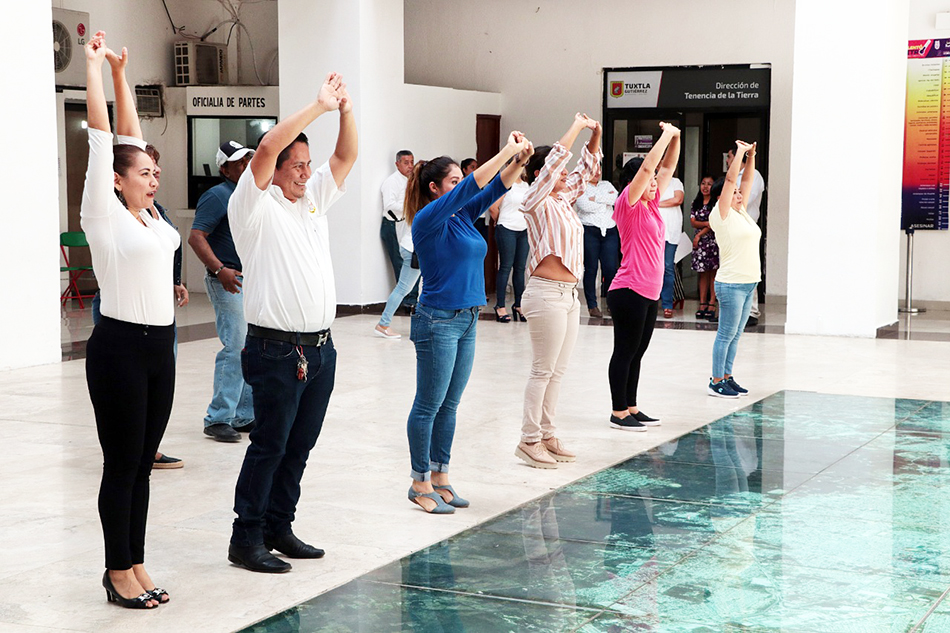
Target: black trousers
[[634, 317], [130, 371]]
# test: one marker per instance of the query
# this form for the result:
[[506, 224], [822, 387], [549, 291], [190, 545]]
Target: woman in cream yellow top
[[739, 269]]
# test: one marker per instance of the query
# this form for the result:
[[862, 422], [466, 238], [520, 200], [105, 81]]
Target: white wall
[[843, 248], [29, 223], [497, 45], [931, 248], [362, 41]]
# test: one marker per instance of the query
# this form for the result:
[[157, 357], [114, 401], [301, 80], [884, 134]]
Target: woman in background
[[705, 250], [511, 236]]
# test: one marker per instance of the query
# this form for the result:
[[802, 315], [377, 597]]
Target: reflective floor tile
[[739, 590], [668, 529], [368, 607], [735, 483], [538, 567]]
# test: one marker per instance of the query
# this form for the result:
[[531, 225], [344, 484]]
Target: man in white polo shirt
[[278, 220]]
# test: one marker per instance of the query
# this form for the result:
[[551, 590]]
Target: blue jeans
[[604, 249], [445, 351], [97, 315], [669, 276], [231, 401], [735, 301], [408, 277], [288, 416], [512, 256], [387, 233]]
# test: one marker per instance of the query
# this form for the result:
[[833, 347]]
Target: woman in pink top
[[556, 261], [636, 287]]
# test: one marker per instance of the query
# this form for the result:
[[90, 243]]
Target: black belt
[[313, 339]]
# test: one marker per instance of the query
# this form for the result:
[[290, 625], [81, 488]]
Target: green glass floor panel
[[739, 590], [368, 607], [802, 513], [668, 529], [529, 566], [726, 485]]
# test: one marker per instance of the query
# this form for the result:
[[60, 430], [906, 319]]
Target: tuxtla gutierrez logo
[[620, 88]]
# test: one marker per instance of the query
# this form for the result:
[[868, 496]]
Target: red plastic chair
[[70, 240]]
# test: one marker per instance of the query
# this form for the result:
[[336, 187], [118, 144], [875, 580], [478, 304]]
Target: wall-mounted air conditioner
[[70, 31], [201, 64], [150, 100]]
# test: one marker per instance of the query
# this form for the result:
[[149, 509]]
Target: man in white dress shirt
[[393, 190], [752, 207], [278, 220], [671, 208]]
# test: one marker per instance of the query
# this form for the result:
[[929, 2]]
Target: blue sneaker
[[721, 389], [731, 381]]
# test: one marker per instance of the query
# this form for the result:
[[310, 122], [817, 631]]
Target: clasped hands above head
[[333, 94]]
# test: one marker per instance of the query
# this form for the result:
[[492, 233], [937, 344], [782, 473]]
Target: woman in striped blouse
[[556, 244]]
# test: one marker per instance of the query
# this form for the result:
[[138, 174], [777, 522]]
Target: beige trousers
[[553, 313]]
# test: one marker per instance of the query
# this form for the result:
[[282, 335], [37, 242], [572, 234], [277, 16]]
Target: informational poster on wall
[[925, 199]]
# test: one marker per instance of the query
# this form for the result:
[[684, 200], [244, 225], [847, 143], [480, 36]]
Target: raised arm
[[126, 117], [668, 166], [264, 162], [485, 172], [732, 177], [347, 145], [641, 181], [512, 172], [748, 176], [97, 114]]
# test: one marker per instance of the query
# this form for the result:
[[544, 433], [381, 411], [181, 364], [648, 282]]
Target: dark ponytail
[[123, 160], [536, 162], [423, 174], [629, 172]]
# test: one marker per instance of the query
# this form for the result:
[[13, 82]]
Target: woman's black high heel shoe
[[520, 315], [502, 318], [141, 602]]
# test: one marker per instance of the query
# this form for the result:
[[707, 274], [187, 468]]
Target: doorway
[[77, 160], [487, 144]]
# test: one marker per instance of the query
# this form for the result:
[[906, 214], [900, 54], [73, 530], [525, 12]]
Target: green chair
[[70, 240]]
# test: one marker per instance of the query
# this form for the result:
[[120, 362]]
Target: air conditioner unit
[[70, 31], [201, 64], [149, 101]]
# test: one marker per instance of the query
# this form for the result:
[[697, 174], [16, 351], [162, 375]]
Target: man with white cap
[[231, 409]]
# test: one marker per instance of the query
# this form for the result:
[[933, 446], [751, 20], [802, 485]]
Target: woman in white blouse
[[511, 236], [130, 365]]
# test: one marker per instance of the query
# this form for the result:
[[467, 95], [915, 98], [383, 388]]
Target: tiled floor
[[802, 512], [354, 493]]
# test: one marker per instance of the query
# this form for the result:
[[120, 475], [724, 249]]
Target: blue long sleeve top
[[450, 249]]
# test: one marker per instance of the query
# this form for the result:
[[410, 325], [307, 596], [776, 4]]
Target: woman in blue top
[[442, 207]]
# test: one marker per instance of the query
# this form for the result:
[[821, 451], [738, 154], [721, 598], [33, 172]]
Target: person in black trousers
[[130, 362]]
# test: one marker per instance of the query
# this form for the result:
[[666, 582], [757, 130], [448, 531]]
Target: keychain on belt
[[301, 365]]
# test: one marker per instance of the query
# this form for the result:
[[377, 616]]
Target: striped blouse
[[553, 227]]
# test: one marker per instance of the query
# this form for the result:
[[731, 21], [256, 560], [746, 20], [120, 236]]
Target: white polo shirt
[[284, 247], [755, 194]]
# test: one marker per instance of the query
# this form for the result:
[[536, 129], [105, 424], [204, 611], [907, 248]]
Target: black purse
[[415, 261]]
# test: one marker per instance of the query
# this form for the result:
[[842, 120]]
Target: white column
[[846, 152], [363, 40], [29, 197]]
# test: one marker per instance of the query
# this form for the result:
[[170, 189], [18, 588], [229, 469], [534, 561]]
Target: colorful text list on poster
[[926, 185]]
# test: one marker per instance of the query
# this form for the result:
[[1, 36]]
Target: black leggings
[[130, 371], [634, 317]]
